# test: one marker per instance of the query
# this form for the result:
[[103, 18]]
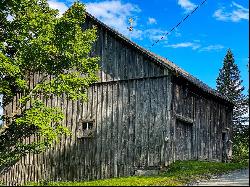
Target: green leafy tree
[[35, 40], [230, 85]]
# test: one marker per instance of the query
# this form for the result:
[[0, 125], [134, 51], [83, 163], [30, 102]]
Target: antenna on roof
[[130, 28]]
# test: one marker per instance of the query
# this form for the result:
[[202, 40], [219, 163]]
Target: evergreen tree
[[229, 84]]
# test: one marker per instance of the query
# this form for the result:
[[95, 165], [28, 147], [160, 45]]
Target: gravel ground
[[235, 178]]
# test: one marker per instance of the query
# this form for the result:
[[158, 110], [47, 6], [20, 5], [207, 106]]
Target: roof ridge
[[165, 62]]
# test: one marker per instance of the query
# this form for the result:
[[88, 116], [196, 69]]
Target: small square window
[[86, 129]]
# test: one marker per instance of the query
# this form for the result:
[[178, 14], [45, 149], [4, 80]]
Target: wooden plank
[[124, 128], [125, 62], [132, 124], [87, 146], [174, 145], [119, 125], [105, 54], [168, 99], [134, 67], [138, 133], [130, 129], [112, 130], [219, 134], [157, 125], [141, 66], [68, 139], [115, 59], [115, 110], [119, 60], [109, 58], [122, 66], [163, 124], [142, 110], [102, 39], [94, 139], [136, 129], [109, 126], [99, 130], [143, 102], [145, 66], [104, 131]]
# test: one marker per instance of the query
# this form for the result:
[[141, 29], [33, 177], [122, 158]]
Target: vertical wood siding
[[202, 139], [130, 124], [119, 61], [134, 106]]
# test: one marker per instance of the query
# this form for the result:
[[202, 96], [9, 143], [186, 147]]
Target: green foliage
[[241, 146], [229, 84], [178, 174], [38, 41], [40, 120]]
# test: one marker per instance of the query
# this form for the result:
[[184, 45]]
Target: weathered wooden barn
[[144, 113]]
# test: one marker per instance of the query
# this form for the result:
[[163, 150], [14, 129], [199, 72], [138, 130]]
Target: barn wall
[[202, 139], [134, 106], [129, 105], [119, 60], [131, 123]]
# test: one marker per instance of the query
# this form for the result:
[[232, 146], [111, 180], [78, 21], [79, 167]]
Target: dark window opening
[[85, 129], [87, 125]]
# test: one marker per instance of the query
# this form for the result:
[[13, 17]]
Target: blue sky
[[198, 45]]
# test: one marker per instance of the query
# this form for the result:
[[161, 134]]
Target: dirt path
[[236, 178]]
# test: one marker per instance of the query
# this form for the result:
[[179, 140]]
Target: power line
[[179, 23]]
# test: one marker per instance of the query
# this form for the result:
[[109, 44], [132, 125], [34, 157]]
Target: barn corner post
[[227, 135]]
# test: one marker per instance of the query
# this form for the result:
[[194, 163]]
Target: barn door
[[184, 140]]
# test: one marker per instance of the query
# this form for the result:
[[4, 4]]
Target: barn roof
[[164, 62]]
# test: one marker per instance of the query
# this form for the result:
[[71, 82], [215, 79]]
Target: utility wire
[[179, 22]]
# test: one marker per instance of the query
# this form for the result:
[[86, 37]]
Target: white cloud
[[154, 34], [235, 13], [113, 13], [58, 5], [187, 5], [116, 14], [216, 47], [196, 45], [192, 45], [151, 21]]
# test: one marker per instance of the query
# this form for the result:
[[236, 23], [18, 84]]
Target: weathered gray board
[[199, 130], [132, 123]]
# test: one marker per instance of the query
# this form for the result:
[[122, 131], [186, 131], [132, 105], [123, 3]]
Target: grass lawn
[[179, 173]]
